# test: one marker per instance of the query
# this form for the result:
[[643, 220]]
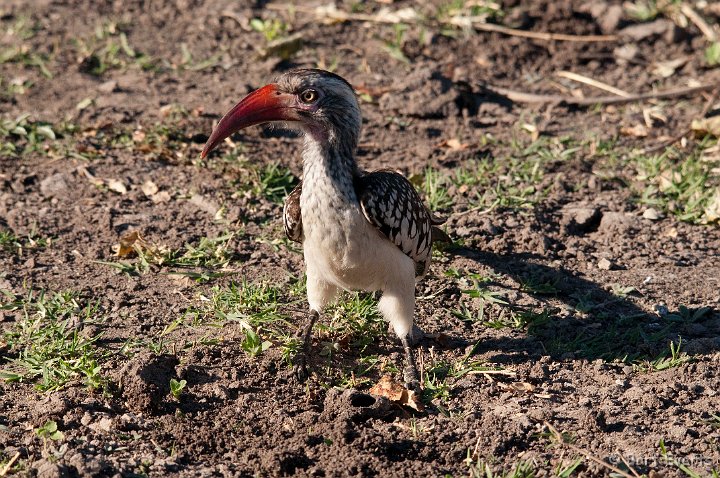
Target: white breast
[[341, 246]]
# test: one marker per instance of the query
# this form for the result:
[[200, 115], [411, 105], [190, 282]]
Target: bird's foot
[[300, 369], [410, 374], [410, 377]]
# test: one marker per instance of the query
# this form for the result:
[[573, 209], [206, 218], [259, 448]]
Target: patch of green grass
[[712, 54], [21, 136], [394, 47], [642, 10], [48, 344], [272, 28], [632, 339], [480, 468], [109, 49], [354, 320], [680, 184], [257, 303], [434, 187], [16, 245], [510, 181], [23, 55], [209, 254], [271, 181], [15, 87], [541, 284], [189, 63], [260, 310], [666, 360]]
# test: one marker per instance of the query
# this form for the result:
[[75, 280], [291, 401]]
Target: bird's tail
[[438, 235]]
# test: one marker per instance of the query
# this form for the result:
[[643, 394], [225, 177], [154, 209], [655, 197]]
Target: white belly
[[343, 248]]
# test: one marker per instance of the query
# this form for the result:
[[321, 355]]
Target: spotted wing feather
[[292, 220], [390, 203]]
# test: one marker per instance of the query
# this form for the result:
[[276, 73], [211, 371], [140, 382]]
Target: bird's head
[[317, 102]]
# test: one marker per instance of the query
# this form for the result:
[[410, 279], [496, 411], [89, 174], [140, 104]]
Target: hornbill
[[359, 230]]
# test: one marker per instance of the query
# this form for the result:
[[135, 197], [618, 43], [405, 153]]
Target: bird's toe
[[300, 370]]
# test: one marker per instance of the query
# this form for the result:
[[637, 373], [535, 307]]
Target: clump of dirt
[[144, 382]]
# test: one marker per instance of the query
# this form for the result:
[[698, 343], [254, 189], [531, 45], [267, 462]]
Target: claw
[[300, 370]]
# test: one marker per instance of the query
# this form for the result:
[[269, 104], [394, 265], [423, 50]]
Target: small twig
[[522, 97], [699, 22], [9, 464], [478, 23], [632, 470], [589, 455], [492, 372], [589, 81]]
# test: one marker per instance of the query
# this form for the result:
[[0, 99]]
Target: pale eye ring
[[309, 96]]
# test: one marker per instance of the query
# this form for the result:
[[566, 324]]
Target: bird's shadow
[[581, 319]]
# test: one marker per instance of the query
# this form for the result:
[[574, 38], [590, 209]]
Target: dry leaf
[[160, 197], [149, 188], [638, 131], [127, 244], [517, 387], [117, 186], [666, 69], [455, 144], [532, 129], [704, 126], [138, 136], [395, 392]]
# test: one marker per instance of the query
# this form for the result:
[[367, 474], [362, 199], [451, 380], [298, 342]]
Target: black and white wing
[[292, 220], [390, 203]]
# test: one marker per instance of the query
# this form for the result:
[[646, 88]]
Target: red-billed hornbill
[[359, 230]]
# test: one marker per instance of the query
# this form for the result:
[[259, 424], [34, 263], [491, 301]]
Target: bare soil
[[586, 369]]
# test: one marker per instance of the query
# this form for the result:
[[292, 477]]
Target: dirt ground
[[572, 329]]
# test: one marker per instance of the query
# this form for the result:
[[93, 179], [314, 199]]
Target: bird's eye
[[309, 96]]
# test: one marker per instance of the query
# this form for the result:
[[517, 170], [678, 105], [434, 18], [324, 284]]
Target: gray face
[[326, 104]]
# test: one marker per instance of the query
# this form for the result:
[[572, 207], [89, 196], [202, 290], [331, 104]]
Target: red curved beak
[[261, 106]]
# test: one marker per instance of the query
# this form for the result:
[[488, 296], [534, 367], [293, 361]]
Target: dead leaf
[[666, 69], [638, 131], [138, 136], [532, 129], [455, 144], [161, 197], [127, 244], [517, 387], [705, 126], [395, 392], [117, 186], [149, 188]]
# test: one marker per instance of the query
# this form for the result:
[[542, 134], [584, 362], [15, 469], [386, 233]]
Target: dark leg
[[410, 374], [300, 360]]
